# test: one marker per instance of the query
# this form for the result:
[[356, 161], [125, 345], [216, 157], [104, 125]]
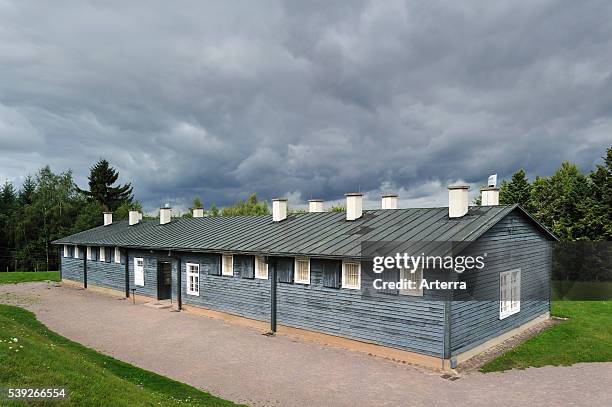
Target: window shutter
[[390, 275], [284, 270], [332, 277], [247, 266], [212, 265]]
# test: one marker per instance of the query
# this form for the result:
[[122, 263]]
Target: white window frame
[[344, 283], [88, 252], [102, 251], [117, 255], [261, 268], [139, 278], [412, 275], [509, 293], [65, 250], [193, 272], [295, 270], [224, 257], [76, 251]]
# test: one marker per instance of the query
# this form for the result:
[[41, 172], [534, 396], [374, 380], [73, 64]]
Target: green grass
[[585, 337], [42, 358], [25, 276]]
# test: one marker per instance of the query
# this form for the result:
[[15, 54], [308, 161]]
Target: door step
[[162, 304]]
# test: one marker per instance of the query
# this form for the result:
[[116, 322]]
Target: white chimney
[[458, 200], [489, 196], [279, 209], [389, 201], [108, 218], [139, 216], [315, 205], [165, 215], [354, 205], [133, 217], [197, 212]]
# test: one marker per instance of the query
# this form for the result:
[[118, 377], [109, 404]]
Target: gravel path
[[241, 364]]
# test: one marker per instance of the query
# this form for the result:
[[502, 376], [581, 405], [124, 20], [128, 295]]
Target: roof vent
[[389, 201], [108, 218], [458, 200], [354, 205], [489, 196], [134, 217], [165, 215], [315, 205], [279, 209], [197, 212]]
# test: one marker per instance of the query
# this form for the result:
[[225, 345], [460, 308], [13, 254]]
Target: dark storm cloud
[[304, 99]]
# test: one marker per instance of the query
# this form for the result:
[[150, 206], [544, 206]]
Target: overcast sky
[[303, 99]]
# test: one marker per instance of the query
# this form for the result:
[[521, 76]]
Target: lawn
[[33, 356], [25, 276], [586, 336]]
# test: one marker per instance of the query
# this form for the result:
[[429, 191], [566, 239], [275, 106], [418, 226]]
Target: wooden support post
[[127, 274], [273, 300], [85, 268]]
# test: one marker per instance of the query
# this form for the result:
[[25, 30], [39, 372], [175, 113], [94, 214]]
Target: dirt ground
[[240, 364]]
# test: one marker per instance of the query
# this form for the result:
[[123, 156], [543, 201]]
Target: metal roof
[[323, 234]]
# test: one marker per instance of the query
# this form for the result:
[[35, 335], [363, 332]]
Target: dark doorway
[[164, 280]]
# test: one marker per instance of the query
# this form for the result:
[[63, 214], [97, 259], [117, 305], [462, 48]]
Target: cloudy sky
[[303, 99]]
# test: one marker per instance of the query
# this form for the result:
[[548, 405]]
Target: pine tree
[[26, 193], [102, 177], [517, 191], [214, 211], [197, 203], [597, 222]]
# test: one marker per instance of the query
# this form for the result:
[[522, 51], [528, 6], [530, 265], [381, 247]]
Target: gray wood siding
[[397, 321], [150, 271], [512, 243], [111, 275], [72, 269], [236, 295]]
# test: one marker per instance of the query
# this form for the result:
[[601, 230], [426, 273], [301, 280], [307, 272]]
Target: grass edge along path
[[33, 356], [586, 336], [13, 277]]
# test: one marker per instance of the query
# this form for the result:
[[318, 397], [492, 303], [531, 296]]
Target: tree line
[[573, 205], [48, 206]]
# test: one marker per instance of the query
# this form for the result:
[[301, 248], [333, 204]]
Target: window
[[302, 270], [509, 293], [415, 277], [261, 268], [213, 266], [193, 279], [351, 275], [76, 252], [284, 270], [65, 250], [117, 255], [102, 253], [88, 252], [331, 273], [108, 253], [245, 265], [138, 270], [227, 268]]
